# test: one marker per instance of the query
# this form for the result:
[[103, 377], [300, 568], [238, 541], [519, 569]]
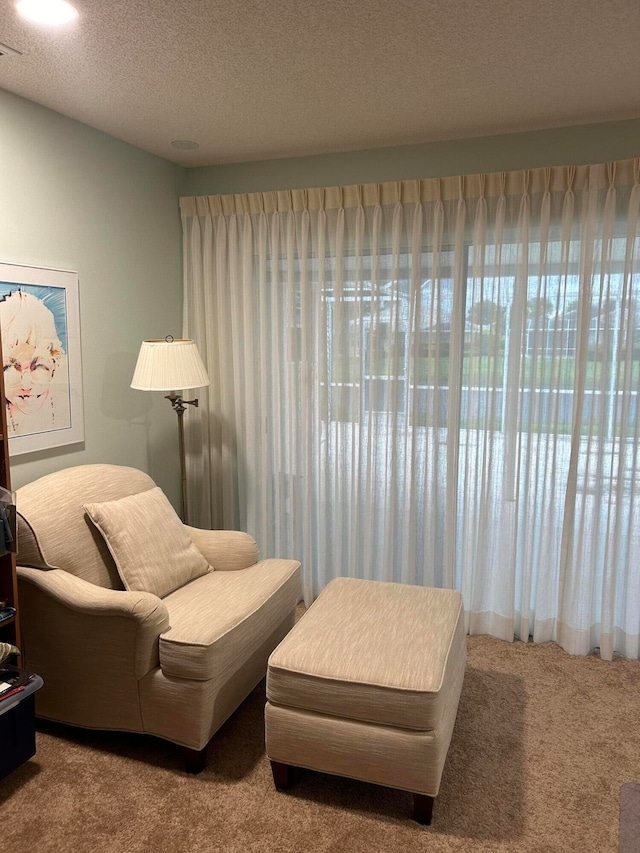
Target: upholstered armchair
[[135, 621]]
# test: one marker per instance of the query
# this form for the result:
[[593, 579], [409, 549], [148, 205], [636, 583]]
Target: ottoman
[[366, 685]]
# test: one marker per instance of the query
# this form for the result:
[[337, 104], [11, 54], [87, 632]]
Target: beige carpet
[[542, 745]]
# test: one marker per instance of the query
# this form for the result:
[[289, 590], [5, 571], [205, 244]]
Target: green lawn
[[488, 371]]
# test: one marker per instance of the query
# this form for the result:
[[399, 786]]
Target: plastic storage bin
[[17, 726]]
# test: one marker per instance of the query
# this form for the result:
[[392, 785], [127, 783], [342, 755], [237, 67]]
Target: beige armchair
[[174, 666]]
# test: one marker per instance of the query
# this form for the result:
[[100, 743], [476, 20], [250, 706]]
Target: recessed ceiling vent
[[8, 51]]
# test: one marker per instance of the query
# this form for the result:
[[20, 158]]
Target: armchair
[[175, 666]]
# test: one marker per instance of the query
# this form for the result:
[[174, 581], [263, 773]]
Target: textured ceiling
[[252, 80]]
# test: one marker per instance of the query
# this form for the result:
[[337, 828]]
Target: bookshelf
[[10, 627]]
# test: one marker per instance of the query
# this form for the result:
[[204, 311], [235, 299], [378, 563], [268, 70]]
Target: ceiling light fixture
[[50, 12]]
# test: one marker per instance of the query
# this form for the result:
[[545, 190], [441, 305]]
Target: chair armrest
[[225, 550], [111, 629]]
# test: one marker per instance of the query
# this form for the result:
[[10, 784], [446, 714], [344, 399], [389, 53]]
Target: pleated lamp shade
[[169, 365]]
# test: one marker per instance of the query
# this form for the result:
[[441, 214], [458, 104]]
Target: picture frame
[[42, 358]]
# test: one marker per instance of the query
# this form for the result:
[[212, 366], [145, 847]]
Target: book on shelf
[[7, 612]]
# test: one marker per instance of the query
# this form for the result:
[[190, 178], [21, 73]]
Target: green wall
[[74, 198], [594, 143]]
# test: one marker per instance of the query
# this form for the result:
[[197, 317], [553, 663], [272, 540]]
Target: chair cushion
[[377, 652], [150, 545], [219, 620]]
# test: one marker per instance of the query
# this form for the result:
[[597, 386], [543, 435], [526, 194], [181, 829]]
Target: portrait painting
[[40, 330]]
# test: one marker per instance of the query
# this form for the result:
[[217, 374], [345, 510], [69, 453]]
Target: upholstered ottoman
[[366, 685]]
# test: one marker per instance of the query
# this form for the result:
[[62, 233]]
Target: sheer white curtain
[[434, 382]]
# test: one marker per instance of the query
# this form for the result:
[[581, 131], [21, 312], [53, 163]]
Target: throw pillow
[[151, 547]]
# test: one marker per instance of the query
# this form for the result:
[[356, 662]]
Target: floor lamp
[[166, 365]]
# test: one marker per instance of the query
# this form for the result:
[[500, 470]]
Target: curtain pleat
[[431, 382]]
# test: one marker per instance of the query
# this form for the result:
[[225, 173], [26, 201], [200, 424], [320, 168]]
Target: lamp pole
[[180, 407]]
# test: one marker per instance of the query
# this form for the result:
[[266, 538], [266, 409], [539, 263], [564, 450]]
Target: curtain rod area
[[621, 173]]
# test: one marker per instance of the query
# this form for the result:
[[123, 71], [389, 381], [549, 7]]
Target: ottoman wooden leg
[[282, 775], [422, 808]]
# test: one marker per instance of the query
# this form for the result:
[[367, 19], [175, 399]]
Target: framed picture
[[40, 328]]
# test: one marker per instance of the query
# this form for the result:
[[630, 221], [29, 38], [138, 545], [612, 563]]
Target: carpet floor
[[542, 745]]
